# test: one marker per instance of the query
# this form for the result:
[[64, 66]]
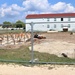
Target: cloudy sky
[[13, 10]]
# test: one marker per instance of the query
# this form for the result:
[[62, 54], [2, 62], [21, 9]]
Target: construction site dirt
[[53, 43], [57, 43]]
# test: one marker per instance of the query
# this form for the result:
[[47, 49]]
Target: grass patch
[[24, 54], [10, 31], [15, 54]]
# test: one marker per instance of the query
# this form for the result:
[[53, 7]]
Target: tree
[[20, 24], [7, 24]]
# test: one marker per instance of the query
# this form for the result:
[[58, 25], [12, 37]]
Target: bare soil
[[57, 43], [39, 70], [52, 39]]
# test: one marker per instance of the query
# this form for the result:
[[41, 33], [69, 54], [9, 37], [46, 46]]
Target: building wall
[[51, 24]]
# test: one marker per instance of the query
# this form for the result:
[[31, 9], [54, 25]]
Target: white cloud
[[38, 5], [62, 6], [12, 10], [58, 6], [34, 7], [46, 7], [16, 7], [4, 5], [2, 12], [69, 8]]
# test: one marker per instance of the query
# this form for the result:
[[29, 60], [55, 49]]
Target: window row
[[48, 26], [61, 19]]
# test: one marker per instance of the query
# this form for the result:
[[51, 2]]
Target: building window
[[68, 19], [54, 25], [43, 25], [48, 26], [61, 19], [47, 19], [61, 25], [68, 25], [43, 18], [54, 19]]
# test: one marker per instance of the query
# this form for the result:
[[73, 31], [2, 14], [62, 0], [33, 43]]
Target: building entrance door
[[65, 29]]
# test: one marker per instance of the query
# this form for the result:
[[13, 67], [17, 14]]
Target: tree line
[[18, 24]]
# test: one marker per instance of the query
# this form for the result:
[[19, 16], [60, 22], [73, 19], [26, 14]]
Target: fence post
[[32, 53]]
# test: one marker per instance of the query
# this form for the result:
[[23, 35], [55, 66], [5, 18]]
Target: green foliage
[[19, 24], [6, 24]]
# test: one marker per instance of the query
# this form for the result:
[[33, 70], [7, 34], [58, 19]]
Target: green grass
[[15, 54], [10, 31], [24, 54]]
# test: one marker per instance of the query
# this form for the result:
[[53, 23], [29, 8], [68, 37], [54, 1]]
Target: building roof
[[32, 16]]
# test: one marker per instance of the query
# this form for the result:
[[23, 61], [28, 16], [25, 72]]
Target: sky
[[14, 10]]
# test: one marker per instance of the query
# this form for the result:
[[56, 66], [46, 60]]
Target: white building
[[46, 22]]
